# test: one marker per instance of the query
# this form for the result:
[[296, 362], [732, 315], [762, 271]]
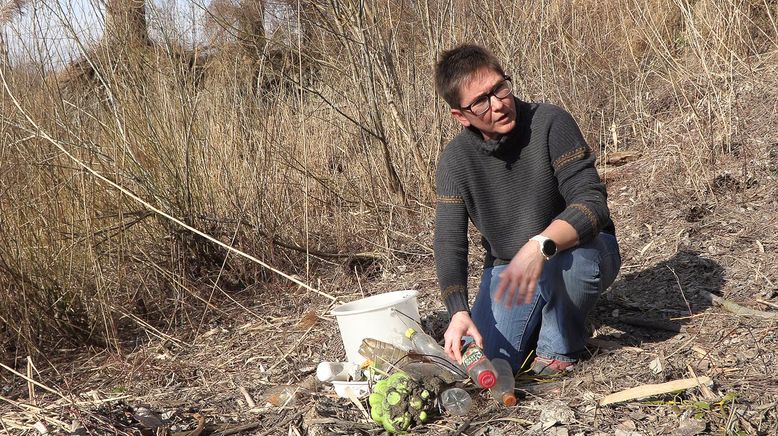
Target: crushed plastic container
[[281, 395], [383, 355], [456, 401]]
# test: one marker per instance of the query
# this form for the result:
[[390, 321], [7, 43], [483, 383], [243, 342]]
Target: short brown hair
[[457, 65]]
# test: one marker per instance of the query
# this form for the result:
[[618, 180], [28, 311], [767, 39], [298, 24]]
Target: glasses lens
[[481, 105], [503, 90]]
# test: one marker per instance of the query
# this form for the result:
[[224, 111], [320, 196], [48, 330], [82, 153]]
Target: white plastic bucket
[[385, 317]]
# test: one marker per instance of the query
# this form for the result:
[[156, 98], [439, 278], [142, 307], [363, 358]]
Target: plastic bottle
[[424, 344], [337, 371], [456, 401], [504, 390], [383, 354], [478, 367], [281, 395]]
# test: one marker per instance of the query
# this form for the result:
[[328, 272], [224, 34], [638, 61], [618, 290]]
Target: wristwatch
[[547, 246]]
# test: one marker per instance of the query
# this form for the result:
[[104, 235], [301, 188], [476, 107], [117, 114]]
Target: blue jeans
[[567, 291]]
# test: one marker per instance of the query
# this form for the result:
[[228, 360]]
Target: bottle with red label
[[478, 366]]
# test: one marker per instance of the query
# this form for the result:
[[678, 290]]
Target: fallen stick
[[704, 389], [651, 390], [767, 303], [737, 309], [249, 401]]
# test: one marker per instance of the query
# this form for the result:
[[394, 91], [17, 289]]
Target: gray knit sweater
[[511, 189]]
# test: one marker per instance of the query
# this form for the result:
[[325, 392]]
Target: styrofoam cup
[[384, 317]]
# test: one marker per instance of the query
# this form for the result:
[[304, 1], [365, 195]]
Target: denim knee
[[574, 282]]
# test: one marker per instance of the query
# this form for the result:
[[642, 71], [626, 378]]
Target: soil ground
[[652, 326]]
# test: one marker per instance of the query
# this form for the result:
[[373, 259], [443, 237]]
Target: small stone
[[556, 412], [628, 425], [656, 366], [494, 432], [557, 431], [690, 427]]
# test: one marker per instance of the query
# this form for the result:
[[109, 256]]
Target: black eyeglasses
[[483, 102]]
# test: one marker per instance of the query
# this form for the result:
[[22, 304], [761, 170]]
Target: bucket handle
[[394, 309]]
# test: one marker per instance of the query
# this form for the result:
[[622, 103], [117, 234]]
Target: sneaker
[[543, 366]]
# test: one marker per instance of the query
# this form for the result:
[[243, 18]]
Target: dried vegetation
[[315, 154]]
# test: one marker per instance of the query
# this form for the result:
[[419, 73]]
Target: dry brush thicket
[[327, 143]]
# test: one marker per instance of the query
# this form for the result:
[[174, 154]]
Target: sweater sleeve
[[451, 243], [573, 161]]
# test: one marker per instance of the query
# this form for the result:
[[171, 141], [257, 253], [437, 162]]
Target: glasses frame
[[489, 95]]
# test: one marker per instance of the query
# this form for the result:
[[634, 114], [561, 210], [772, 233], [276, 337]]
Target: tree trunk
[[251, 26], [125, 22]]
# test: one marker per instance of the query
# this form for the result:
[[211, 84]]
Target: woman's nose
[[495, 102]]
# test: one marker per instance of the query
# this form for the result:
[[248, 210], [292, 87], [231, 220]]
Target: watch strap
[[541, 240]]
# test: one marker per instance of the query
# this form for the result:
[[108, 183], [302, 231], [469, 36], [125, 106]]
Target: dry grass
[[320, 162]]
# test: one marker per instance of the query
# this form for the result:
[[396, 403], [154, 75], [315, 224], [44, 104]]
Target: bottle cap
[[508, 399], [410, 332], [487, 379]]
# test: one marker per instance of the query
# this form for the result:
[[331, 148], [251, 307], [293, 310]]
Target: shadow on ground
[[654, 304], [650, 305]]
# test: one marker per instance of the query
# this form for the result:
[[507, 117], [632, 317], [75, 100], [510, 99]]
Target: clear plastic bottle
[[281, 395], [337, 371], [456, 401], [478, 367], [383, 354], [504, 390], [425, 344]]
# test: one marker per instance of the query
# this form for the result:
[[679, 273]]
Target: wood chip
[[650, 390]]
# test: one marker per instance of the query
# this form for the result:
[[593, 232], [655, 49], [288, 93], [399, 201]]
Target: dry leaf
[[308, 320]]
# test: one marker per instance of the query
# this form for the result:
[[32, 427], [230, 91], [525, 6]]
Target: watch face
[[549, 248]]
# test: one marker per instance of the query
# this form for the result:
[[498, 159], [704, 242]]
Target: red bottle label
[[472, 359], [472, 356]]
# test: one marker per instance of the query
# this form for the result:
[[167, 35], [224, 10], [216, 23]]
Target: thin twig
[[737, 309], [292, 348], [680, 288], [767, 303], [42, 386]]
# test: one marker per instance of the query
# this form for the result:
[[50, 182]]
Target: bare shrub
[[311, 153]]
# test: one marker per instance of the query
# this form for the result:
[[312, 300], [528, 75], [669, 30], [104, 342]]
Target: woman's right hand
[[460, 325]]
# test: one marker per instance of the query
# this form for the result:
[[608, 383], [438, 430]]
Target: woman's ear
[[460, 117]]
